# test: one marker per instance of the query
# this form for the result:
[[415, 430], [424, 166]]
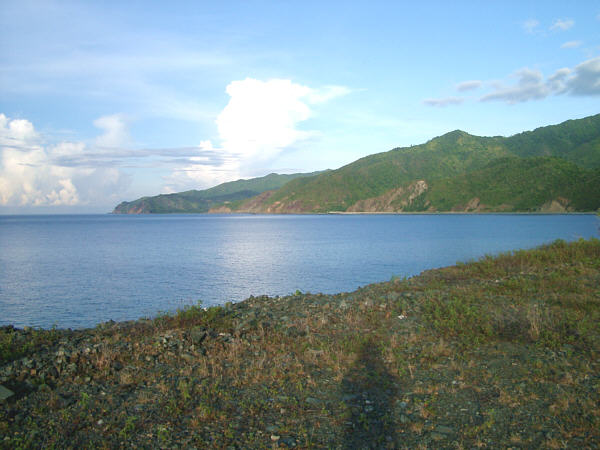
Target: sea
[[76, 271]]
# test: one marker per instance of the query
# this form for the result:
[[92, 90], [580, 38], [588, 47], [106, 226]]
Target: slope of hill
[[550, 168], [195, 201], [577, 141]]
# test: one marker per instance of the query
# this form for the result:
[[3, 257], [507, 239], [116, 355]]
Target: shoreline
[[465, 213], [361, 213], [490, 352]]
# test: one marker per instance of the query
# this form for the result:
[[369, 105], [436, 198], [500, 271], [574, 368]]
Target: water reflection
[[76, 271]]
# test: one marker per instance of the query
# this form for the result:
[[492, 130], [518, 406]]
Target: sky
[[102, 102]]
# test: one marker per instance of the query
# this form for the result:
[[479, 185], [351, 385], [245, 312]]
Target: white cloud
[[556, 82], [261, 120], [530, 25], [530, 86], [562, 24], [116, 133], [327, 93], [66, 149], [586, 78], [571, 44], [30, 175], [65, 194], [16, 132], [261, 117], [468, 85], [441, 102], [583, 80]]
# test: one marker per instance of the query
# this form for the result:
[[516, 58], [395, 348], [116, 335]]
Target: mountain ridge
[[452, 156], [552, 168]]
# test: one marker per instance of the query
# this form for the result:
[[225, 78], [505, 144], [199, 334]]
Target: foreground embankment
[[502, 352]]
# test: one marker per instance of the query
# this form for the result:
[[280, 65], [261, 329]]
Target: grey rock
[[289, 441], [5, 393], [313, 401], [437, 436], [294, 332], [29, 363], [444, 429], [188, 358]]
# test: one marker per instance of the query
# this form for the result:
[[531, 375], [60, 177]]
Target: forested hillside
[[554, 168]]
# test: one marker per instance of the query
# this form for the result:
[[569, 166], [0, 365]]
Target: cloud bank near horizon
[[261, 121], [31, 173]]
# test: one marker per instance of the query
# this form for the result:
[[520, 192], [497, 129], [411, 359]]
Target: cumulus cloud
[[31, 176], [16, 132], [261, 120], [441, 102], [25, 176], [531, 25], [562, 24], [261, 117], [571, 44], [116, 133]]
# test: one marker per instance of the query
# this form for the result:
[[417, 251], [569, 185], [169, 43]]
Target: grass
[[548, 296], [15, 345]]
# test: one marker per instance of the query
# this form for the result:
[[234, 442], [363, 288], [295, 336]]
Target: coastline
[[399, 213], [502, 351], [466, 213]]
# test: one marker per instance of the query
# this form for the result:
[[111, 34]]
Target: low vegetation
[[500, 352]]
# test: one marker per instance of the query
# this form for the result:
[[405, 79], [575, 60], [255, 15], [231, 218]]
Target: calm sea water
[[77, 271]]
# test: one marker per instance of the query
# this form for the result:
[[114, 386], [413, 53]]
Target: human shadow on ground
[[369, 390]]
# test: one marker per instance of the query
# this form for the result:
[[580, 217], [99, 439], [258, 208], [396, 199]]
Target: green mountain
[[554, 168], [195, 201]]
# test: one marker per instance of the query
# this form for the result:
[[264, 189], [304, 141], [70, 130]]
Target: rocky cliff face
[[558, 205], [410, 198], [260, 205], [394, 200], [132, 208]]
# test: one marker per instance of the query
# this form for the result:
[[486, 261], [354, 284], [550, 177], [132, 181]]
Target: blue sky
[[108, 101]]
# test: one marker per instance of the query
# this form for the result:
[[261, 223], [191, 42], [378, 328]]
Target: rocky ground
[[498, 353]]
